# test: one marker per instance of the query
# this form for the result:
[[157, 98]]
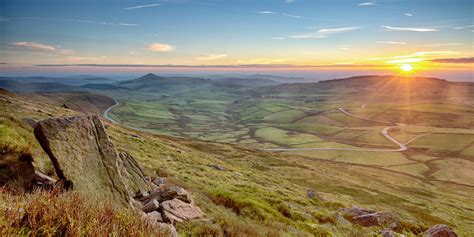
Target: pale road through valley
[[385, 133]]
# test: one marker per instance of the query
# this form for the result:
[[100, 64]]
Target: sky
[[310, 38]]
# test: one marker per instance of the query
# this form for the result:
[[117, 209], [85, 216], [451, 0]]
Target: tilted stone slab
[[84, 158]]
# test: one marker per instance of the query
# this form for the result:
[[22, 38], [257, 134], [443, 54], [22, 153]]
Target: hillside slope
[[254, 193]]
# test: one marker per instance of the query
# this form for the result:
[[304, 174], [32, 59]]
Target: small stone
[[156, 215], [159, 181], [141, 194], [387, 233], [217, 167], [151, 206], [310, 193], [440, 231], [366, 220]]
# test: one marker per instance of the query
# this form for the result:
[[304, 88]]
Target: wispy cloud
[[390, 42], [323, 33], [454, 60], [127, 24], [278, 38], [409, 29], [3, 18], [290, 1], [211, 57], [463, 27], [267, 12], [337, 30], [142, 6], [295, 16], [408, 14], [283, 14], [42, 47], [442, 44], [367, 4], [103, 23], [160, 47]]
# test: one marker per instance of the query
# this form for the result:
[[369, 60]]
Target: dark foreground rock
[[367, 218], [440, 231], [86, 160]]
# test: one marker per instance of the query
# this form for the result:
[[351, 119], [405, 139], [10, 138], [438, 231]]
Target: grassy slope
[[264, 193]]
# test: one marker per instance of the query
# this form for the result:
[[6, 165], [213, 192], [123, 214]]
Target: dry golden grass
[[56, 213]]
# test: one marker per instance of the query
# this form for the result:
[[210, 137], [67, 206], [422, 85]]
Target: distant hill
[[102, 86], [84, 102], [74, 81], [152, 82], [17, 86], [372, 84], [246, 82]]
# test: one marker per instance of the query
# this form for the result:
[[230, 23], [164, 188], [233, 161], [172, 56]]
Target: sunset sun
[[406, 68]]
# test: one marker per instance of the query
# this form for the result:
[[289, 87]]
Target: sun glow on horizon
[[406, 68]]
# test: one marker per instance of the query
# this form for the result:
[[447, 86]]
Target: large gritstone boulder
[[86, 160]]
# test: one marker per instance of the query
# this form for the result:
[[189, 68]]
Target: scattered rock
[[159, 181], [440, 231], [366, 220], [168, 193], [156, 215], [387, 233], [217, 167], [355, 211], [178, 211], [151, 206], [135, 136], [141, 194], [310, 193]]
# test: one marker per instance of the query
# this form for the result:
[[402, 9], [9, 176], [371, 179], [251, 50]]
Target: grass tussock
[[55, 213]]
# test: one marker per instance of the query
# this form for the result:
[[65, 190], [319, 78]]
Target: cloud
[[278, 38], [323, 33], [442, 44], [463, 27], [3, 18], [267, 12], [42, 47], [367, 4], [295, 16], [409, 29], [453, 60], [337, 30], [127, 24], [390, 42], [159, 47], [103, 23], [34, 46], [290, 1], [308, 36], [211, 57], [408, 14], [142, 6]]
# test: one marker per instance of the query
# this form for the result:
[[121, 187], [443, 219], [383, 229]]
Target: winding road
[[385, 133]]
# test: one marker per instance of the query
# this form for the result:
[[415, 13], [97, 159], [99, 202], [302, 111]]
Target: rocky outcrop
[[367, 218], [86, 160], [440, 231], [169, 205]]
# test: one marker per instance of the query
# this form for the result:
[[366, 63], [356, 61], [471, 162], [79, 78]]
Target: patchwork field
[[434, 128]]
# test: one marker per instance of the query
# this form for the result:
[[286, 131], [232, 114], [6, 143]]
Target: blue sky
[[351, 34]]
